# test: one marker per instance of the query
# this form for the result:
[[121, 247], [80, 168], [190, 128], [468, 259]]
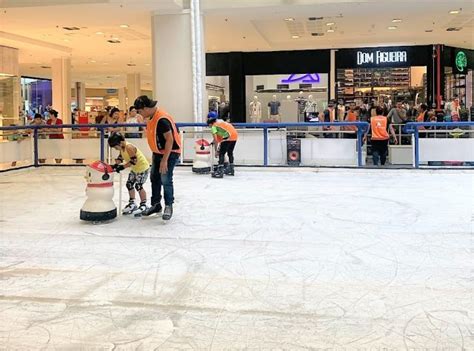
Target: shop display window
[[287, 98], [217, 89], [36, 95]]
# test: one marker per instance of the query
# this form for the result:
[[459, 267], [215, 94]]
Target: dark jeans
[[226, 147], [165, 180], [379, 151]]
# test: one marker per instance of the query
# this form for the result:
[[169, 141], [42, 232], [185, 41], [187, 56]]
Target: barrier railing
[[414, 128], [265, 127]]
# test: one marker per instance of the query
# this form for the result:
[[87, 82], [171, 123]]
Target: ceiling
[[36, 28]]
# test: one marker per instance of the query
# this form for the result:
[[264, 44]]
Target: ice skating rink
[[268, 260]]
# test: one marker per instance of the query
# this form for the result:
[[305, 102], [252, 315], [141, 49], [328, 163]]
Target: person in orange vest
[[165, 143], [351, 116], [380, 126], [225, 138]]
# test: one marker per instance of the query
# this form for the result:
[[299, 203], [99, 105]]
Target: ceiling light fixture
[[124, 26], [289, 19], [330, 30], [99, 33], [392, 27], [66, 40], [92, 61], [454, 12], [295, 36], [429, 30], [330, 24], [396, 20]]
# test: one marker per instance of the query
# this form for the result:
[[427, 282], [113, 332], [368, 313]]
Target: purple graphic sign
[[302, 78]]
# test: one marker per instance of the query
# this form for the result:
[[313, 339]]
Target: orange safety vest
[[351, 117], [151, 132], [229, 128], [378, 124]]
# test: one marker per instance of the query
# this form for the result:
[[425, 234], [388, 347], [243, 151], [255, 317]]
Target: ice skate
[[129, 209], [138, 212], [218, 172], [149, 211], [167, 213], [229, 170]]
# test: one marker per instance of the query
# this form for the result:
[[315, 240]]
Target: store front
[[458, 81], [276, 86], [384, 75]]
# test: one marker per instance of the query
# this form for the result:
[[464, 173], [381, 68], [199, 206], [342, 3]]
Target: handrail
[[361, 129]]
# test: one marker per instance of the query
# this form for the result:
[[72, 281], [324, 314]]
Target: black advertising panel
[[402, 56], [462, 60]]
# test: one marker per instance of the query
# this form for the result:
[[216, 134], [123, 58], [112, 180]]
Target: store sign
[[381, 57], [461, 61], [312, 78]]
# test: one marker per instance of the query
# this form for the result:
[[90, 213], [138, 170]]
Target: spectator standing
[[55, 133], [133, 117]]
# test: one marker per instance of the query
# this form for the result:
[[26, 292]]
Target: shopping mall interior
[[236, 174]]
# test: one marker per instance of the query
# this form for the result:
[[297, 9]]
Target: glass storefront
[[36, 96], [288, 98]]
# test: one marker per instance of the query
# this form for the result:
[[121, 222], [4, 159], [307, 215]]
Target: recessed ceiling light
[[147, 64], [454, 12], [396, 20], [330, 24], [289, 19], [330, 31], [429, 30], [92, 61], [295, 36], [124, 26], [66, 40], [99, 33], [392, 27]]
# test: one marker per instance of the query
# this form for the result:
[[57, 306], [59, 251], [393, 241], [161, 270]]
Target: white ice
[[268, 259]]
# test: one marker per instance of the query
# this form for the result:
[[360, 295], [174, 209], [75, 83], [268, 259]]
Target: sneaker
[[167, 213], [153, 209], [129, 208]]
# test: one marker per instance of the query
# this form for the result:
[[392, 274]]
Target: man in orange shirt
[[165, 143], [225, 137], [351, 116], [380, 126]]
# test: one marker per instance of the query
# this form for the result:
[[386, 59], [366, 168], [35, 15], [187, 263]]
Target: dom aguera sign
[[381, 57]]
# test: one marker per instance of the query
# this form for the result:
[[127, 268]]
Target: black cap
[[144, 101]]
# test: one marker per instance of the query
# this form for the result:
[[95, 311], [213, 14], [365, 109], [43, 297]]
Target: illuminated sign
[[303, 78], [381, 57], [461, 61]]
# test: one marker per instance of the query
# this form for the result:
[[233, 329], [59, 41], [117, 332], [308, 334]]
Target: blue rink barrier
[[414, 128], [265, 127]]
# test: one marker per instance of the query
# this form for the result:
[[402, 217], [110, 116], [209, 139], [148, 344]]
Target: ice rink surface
[[268, 260]]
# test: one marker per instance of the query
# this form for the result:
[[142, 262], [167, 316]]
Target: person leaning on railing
[[38, 121]]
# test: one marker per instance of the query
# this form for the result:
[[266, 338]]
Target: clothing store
[[272, 87]]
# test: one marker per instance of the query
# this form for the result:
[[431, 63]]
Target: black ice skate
[[167, 213], [218, 172], [150, 210], [229, 169]]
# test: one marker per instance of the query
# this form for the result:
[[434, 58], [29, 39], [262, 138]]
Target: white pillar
[[332, 83], [81, 95], [122, 98], [133, 87], [61, 74], [173, 67]]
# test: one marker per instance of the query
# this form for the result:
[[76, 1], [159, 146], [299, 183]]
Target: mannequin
[[311, 109], [274, 109], [301, 101], [255, 112]]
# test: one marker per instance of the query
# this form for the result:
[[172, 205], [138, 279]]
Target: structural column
[[333, 71], [61, 74], [122, 98], [80, 95], [133, 87], [173, 67]]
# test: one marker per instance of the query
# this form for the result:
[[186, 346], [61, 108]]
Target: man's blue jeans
[[166, 180]]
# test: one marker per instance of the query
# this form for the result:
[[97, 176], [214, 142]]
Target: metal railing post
[[35, 148], [265, 146], [417, 148], [359, 146], [102, 144]]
